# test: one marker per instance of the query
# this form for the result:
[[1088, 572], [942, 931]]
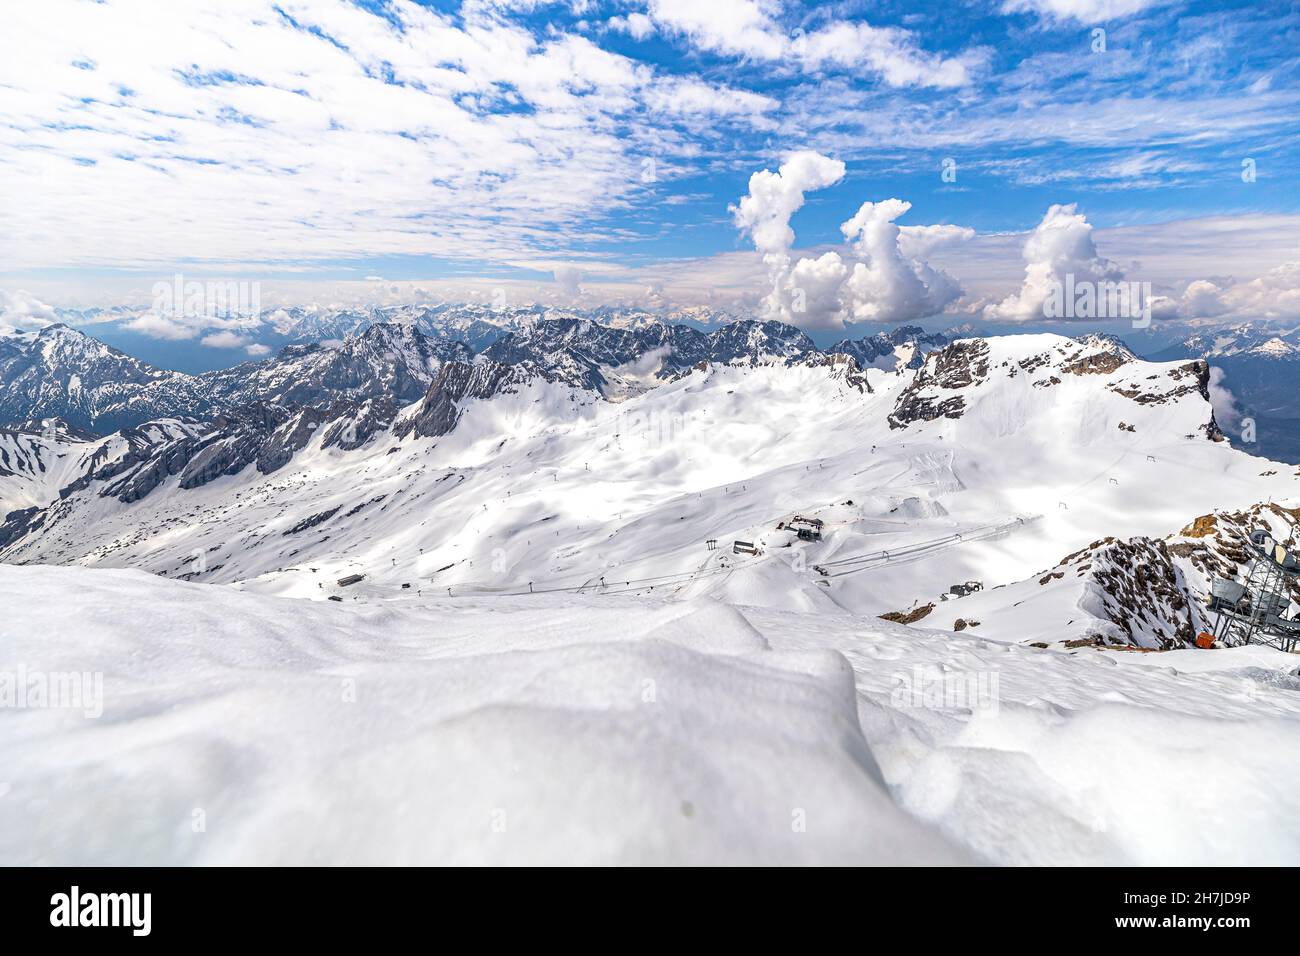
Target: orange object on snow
[[1204, 640]]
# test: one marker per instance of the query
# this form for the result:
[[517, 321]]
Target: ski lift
[[1255, 611]]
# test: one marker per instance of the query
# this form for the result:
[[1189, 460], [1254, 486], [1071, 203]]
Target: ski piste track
[[608, 583]]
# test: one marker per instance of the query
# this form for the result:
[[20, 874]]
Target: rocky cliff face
[[586, 354], [935, 390], [904, 347], [457, 384], [392, 361]]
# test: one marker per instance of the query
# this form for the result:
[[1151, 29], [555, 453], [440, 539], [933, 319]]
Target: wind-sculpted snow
[[218, 727], [323, 734]]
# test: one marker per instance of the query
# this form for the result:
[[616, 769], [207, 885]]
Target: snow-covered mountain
[[1252, 338], [905, 347], [993, 459], [64, 373], [392, 361], [612, 360], [59, 372], [37, 460], [1259, 370], [1140, 591]]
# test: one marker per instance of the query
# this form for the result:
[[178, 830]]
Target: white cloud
[[918, 242], [637, 25], [569, 279], [764, 213], [889, 282], [1202, 299], [690, 97], [887, 51], [749, 28], [296, 132], [22, 310], [1060, 245], [225, 339], [258, 350], [1222, 400], [1084, 11], [814, 291], [776, 196], [1273, 296], [743, 27], [162, 327], [887, 285]]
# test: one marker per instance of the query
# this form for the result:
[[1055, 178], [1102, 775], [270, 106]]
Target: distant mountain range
[[61, 372], [1260, 367]]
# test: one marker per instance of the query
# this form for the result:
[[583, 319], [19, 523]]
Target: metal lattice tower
[[1255, 612]]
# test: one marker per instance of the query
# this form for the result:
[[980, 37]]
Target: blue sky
[[458, 147]]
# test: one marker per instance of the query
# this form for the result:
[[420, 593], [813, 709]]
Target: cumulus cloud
[[1060, 245], [764, 213], [1273, 296], [814, 292], [887, 285], [258, 350], [887, 282], [1202, 299], [569, 279], [918, 242]]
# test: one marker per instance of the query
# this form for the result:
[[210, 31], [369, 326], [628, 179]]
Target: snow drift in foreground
[[238, 728]]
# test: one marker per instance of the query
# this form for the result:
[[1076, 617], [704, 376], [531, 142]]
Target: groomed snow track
[[829, 569]]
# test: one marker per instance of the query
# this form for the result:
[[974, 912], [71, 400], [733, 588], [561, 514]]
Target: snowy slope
[[235, 728], [990, 462], [36, 462], [1141, 591]]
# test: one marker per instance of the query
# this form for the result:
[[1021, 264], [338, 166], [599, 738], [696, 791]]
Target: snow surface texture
[[238, 728]]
